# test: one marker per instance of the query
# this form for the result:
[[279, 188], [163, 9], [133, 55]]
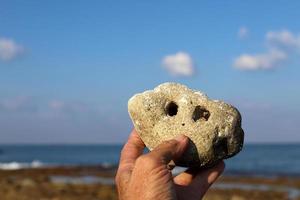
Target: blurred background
[[67, 70]]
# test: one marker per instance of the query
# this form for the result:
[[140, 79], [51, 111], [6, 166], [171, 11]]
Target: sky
[[68, 68]]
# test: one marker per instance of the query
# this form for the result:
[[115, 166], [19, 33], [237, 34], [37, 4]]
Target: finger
[[203, 180], [207, 177], [185, 178], [171, 149], [132, 149], [130, 152]]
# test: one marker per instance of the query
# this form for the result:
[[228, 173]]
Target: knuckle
[[123, 151], [120, 176], [159, 170], [120, 179], [117, 178], [169, 143], [166, 145], [145, 160]]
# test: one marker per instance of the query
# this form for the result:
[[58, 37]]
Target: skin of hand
[[147, 176]]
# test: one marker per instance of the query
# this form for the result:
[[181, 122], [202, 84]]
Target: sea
[[254, 159]]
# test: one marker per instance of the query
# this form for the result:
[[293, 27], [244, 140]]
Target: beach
[[86, 172], [97, 182]]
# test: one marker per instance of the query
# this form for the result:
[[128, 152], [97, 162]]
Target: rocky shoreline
[[96, 182]]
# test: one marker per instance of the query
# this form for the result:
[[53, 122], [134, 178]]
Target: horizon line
[[120, 143]]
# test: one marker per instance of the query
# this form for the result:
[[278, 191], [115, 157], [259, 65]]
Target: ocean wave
[[107, 164], [20, 165]]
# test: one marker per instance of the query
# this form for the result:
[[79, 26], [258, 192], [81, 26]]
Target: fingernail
[[180, 138]]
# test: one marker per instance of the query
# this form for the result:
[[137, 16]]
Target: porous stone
[[171, 109]]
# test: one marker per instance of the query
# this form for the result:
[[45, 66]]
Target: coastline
[[97, 182]]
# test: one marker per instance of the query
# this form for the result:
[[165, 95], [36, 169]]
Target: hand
[[147, 176]]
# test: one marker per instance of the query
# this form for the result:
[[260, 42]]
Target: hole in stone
[[220, 147], [183, 124], [171, 108], [200, 113]]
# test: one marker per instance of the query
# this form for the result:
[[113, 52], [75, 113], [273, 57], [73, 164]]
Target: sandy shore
[[91, 183]]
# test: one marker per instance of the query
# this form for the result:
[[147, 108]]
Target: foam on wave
[[20, 165]]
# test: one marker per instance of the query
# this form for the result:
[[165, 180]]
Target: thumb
[[170, 150]]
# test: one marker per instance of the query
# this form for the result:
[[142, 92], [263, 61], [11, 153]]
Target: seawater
[[255, 159]]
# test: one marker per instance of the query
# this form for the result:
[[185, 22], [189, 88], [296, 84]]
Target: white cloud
[[69, 107], [280, 45], [243, 32], [9, 49], [179, 64], [283, 38], [266, 60], [18, 104], [56, 104]]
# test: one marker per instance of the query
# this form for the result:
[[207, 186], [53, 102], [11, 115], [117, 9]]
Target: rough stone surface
[[213, 127]]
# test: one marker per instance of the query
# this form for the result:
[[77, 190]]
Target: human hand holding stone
[[147, 176]]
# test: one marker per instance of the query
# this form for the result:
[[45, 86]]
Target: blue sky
[[68, 68]]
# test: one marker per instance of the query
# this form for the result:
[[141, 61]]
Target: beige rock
[[237, 197], [27, 182], [171, 109]]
